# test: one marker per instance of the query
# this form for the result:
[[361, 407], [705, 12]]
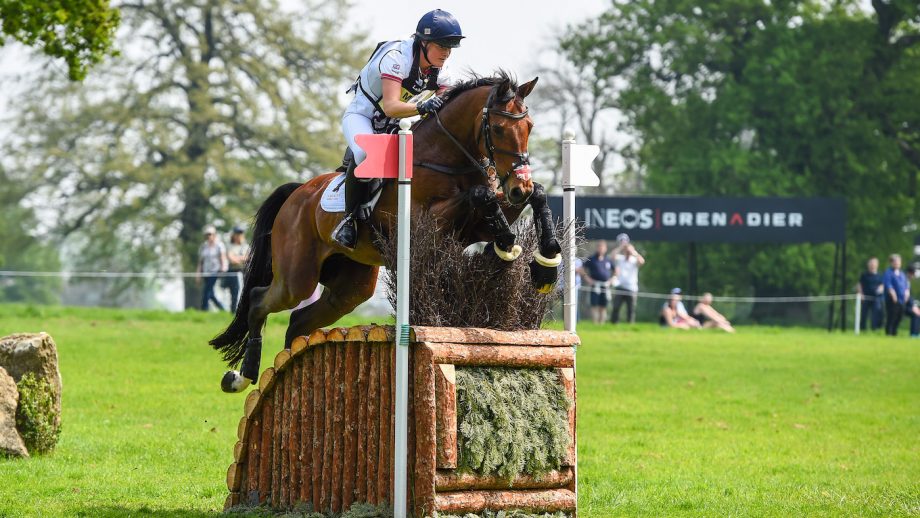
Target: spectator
[[627, 262], [674, 314], [707, 315], [913, 306], [599, 275], [897, 291], [212, 260], [237, 254], [871, 295]]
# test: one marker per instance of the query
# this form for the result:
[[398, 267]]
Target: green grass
[[767, 422]]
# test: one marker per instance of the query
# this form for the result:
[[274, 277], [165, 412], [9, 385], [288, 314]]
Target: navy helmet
[[440, 27]]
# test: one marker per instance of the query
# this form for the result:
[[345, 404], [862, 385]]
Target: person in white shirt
[[627, 262]]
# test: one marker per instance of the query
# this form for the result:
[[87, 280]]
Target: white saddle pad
[[333, 199]]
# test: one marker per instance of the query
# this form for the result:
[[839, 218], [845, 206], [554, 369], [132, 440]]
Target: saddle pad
[[334, 200]]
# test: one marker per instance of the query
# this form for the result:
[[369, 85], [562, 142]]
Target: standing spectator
[[212, 260], [237, 253], [599, 275], [897, 291], [707, 315], [913, 306], [627, 262], [871, 292]]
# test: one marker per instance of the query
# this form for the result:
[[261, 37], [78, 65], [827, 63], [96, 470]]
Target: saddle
[[339, 193]]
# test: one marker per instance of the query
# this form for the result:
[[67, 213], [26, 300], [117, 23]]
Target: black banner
[[710, 220]]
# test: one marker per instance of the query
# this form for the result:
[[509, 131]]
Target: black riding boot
[[346, 233]]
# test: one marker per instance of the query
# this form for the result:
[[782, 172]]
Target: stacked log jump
[[320, 427]]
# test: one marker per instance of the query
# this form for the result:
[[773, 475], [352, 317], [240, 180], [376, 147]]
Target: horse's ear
[[525, 89], [504, 90]]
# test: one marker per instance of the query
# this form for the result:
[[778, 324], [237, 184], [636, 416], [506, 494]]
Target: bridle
[[486, 165]]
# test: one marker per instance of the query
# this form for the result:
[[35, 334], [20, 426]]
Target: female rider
[[397, 72]]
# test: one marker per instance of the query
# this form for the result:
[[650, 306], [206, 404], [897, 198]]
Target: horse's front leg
[[543, 268], [484, 200]]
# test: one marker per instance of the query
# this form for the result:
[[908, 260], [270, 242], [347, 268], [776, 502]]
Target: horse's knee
[[481, 195]]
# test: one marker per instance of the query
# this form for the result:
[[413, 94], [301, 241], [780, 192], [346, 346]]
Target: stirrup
[[346, 232]]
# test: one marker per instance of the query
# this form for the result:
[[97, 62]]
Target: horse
[[464, 155]]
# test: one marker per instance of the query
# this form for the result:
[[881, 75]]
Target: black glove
[[431, 105]]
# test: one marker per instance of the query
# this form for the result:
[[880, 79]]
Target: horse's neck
[[459, 117]]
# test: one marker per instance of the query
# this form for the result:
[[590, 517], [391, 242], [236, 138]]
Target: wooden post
[[425, 416], [446, 398]]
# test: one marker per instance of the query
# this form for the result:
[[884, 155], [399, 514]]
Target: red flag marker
[[382, 156]]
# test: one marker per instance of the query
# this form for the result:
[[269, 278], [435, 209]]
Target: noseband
[[486, 165]]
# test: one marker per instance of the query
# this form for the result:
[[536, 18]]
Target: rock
[[11, 444], [23, 353]]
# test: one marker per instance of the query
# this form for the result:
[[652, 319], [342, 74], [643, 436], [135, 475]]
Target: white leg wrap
[[549, 263], [475, 248], [508, 256]]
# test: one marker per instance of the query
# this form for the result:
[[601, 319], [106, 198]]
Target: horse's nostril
[[517, 193]]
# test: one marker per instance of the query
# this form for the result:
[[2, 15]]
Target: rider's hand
[[431, 105]]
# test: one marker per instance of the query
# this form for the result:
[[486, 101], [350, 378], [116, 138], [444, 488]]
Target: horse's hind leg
[[347, 284]]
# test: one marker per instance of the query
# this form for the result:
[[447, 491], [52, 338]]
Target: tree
[[79, 31], [745, 97], [213, 103]]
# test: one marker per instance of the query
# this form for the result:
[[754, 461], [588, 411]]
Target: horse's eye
[[499, 131]]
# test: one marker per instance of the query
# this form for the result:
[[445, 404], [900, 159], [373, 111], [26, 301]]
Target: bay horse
[[475, 146]]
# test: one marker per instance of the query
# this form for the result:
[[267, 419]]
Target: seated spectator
[[674, 314], [708, 317]]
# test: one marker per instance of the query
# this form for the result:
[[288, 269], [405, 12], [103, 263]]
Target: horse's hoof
[[510, 255], [233, 382], [543, 272]]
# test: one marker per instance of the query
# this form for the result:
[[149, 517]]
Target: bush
[[511, 421], [35, 416]]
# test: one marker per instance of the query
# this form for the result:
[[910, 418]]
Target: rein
[[486, 165]]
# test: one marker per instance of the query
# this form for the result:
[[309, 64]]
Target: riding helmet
[[440, 27]]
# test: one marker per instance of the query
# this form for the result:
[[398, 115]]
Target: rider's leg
[[356, 190]]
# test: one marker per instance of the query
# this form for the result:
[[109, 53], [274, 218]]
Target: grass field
[[767, 422]]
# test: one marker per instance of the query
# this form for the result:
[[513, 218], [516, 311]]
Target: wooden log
[[299, 345], [285, 438], [295, 373], [392, 454], [373, 423], [350, 453], [449, 480], [446, 399], [317, 337], [306, 428], [267, 380], [534, 500], [384, 451], [567, 378], [265, 453], [242, 427], [503, 355], [281, 360], [338, 426], [278, 405], [252, 403], [251, 497], [239, 452], [469, 335], [425, 435], [380, 334], [325, 496], [234, 475], [319, 427], [243, 483], [361, 465], [233, 499]]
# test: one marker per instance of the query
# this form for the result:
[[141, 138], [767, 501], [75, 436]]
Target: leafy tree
[[79, 31], [212, 104], [21, 251], [782, 98]]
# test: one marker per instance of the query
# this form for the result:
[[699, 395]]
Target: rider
[[396, 74]]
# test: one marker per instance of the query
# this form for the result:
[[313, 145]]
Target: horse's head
[[503, 137]]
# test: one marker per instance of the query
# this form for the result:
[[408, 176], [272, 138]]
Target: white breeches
[[356, 124]]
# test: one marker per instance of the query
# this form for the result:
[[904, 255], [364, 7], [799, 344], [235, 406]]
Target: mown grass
[[767, 422]]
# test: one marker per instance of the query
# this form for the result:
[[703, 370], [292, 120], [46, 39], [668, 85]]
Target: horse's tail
[[232, 342]]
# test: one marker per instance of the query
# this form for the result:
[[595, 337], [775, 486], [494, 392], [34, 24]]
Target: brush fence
[[319, 429]]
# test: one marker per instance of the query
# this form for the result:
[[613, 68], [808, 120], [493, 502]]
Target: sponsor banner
[[710, 220]]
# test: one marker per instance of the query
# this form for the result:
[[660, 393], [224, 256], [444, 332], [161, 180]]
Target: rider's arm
[[392, 106]]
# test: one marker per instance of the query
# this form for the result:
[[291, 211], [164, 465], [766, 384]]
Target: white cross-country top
[[392, 60]]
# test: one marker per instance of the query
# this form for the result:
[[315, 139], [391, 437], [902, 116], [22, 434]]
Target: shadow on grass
[[114, 511]]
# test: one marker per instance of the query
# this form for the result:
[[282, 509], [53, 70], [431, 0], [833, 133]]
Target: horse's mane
[[475, 81]]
